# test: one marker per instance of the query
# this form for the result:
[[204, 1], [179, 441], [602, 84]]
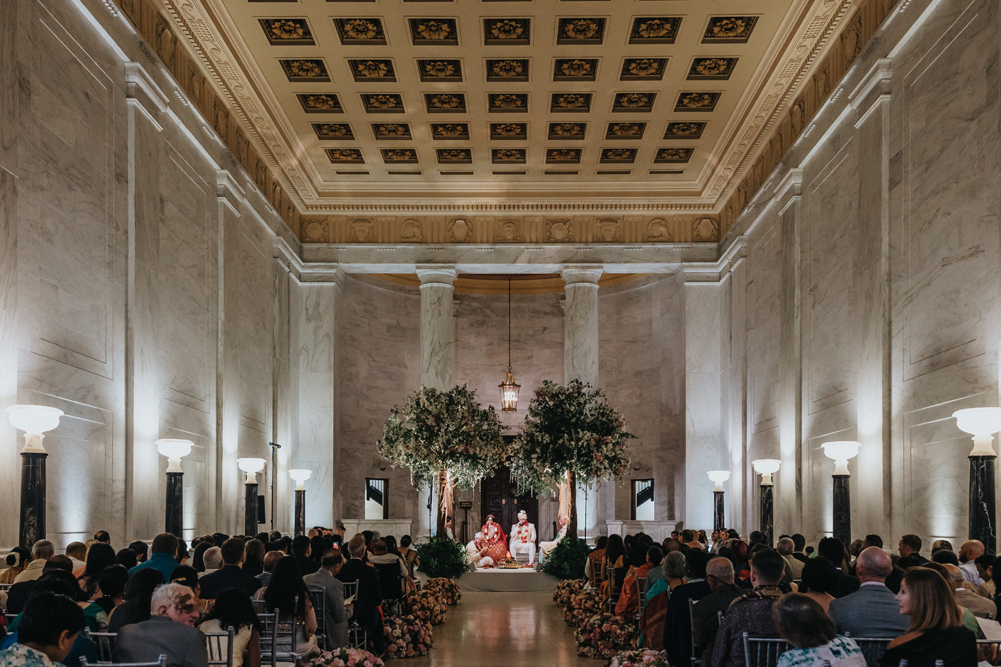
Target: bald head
[[955, 574], [874, 564], [971, 550]]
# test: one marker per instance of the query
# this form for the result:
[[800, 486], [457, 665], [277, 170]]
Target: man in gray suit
[[872, 610], [170, 631], [335, 619]]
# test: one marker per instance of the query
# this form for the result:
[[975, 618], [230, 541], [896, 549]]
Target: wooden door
[[499, 496]]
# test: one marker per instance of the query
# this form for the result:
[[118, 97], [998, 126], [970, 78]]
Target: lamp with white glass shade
[[174, 450], [982, 424], [718, 476], [34, 420], [766, 515], [840, 451], [300, 476], [251, 466]]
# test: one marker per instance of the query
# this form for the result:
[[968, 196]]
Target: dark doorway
[[499, 496]]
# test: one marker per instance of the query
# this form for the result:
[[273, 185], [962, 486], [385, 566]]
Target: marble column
[[580, 362], [437, 326], [842, 509], [983, 504], [719, 503], [766, 515], [250, 510], [300, 512], [32, 526], [174, 520]]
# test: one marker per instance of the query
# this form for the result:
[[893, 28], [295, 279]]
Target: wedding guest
[[102, 537], [233, 609], [408, 555], [909, 548], [301, 552], [833, 550], [112, 582], [101, 556], [979, 606], [985, 568], [49, 628], [800, 544], [183, 555], [751, 612], [594, 562], [369, 594], [186, 576], [198, 557], [317, 545], [163, 558], [872, 610], [77, 553], [41, 551], [270, 560], [169, 631], [674, 569], [127, 558], [141, 549], [820, 577], [288, 597], [254, 563], [654, 556], [629, 601], [232, 574], [16, 561], [936, 631], [803, 623], [138, 598], [335, 618], [382, 557], [19, 593], [786, 547], [969, 551], [212, 559], [705, 617], [678, 627]]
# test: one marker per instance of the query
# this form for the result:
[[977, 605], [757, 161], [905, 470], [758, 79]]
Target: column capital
[[873, 89], [577, 274], [436, 274]]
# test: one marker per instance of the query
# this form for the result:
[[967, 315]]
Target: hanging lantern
[[508, 389]]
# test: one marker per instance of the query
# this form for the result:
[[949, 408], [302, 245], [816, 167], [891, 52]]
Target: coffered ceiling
[[432, 104]]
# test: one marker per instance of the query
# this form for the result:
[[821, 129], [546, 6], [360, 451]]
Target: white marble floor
[[503, 629]]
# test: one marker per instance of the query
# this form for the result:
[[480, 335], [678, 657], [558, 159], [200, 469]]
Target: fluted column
[[580, 362], [437, 327]]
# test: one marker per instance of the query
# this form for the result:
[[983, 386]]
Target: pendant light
[[508, 389]]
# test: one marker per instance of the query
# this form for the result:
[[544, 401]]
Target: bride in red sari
[[493, 535]]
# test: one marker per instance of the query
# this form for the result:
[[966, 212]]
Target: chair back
[[220, 647], [269, 638], [279, 644], [8, 619], [260, 607], [641, 592], [350, 588], [162, 662], [390, 580], [762, 652], [872, 648], [691, 625], [989, 651], [319, 599], [357, 637], [104, 644]]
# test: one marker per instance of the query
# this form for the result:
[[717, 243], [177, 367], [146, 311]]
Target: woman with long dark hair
[[198, 559], [254, 559], [138, 598], [100, 556], [233, 609], [280, 597]]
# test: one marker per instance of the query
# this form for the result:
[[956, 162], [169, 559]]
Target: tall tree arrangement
[[444, 437], [571, 435]]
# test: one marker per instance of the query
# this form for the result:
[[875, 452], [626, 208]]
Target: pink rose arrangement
[[604, 635], [406, 636], [582, 606], [427, 606], [446, 590], [641, 658], [565, 589], [345, 657]]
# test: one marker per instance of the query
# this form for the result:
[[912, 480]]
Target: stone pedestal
[[718, 504], [300, 512], [32, 498], [250, 510], [983, 504], [174, 520], [842, 509], [766, 514]]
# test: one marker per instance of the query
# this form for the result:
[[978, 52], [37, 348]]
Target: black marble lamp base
[[766, 514], [983, 505], [842, 509], [717, 510], [175, 504], [300, 512], [250, 511], [32, 498]]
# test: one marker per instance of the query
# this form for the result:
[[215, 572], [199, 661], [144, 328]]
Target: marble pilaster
[[437, 326]]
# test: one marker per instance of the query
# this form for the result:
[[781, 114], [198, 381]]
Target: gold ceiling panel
[[341, 93]]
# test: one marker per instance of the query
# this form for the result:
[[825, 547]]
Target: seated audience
[[786, 547], [595, 560], [833, 550], [77, 553], [127, 558], [719, 577], [141, 549], [909, 548], [41, 551], [19, 593], [212, 560], [629, 600], [654, 556], [50, 626], [198, 556], [369, 594], [112, 582], [979, 606], [936, 630], [288, 597], [301, 551], [138, 600], [254, 563], [969, 551], [751, 612], [232, 574], [270, 560], [803, 623], [16, 561], [820, 577], [381, 556], [100, 556], [335, 618], [408, 555], [186, 576], [163, 556], [233, 609], [800, 544], [678, 627], [872, 610], [985, 568], [169, 631]]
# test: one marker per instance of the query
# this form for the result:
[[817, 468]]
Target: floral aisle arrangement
[[345, 657], [604, 635], [406, 636], [571, 436], [427, 606], [565, 589], [640, 658], [447, 590], [582, 606]]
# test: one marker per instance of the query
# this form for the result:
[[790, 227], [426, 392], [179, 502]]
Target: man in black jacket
[[369, 594], [719, 576], [232, 574], [833, 550], [302, 551]]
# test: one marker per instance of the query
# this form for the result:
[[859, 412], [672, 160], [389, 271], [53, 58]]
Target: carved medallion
[[559, 231], [697, 101], [315, 232], [382, 103], [362, 228], [344, 155], [665, 155], [509, 232], [571, 102], [685, 130], [391, 131], [575, 69], [659, 230], [711, 69], [729, 29], [643, 69], [341, 131], [325, 103], [654, 30], [287, 32], [507, 102], [373, 70], [578, 30], [434, 32], [411, 231], [617, 155], [625, 130], [454, 155], [508, 130], [460, 230], [450, 131], [607, 229], [305, 70], [563, 155], [445, 102], [625, 102], [567, 130], [507, 31], [399, 156], [705, 230], [509, 69], [440, 70], [360, 31], [508, 155]]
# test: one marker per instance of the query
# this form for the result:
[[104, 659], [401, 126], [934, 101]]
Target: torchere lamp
[[718, 476], [982, 423], [174, 450], [251, 466], [34, 420], [840, 451], [766, 513], [300, 476]]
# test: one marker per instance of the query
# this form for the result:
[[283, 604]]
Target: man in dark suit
[[369, 594], [170, 631], [872, 610], [909, 547], [232, 575], [705, 617], [833, 550], [301, 550]]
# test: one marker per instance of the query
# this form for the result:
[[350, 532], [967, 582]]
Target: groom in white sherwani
[[523, 538]]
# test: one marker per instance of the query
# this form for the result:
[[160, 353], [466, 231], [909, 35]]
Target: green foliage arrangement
[[571, 435], [568, 559], [442, 557]]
